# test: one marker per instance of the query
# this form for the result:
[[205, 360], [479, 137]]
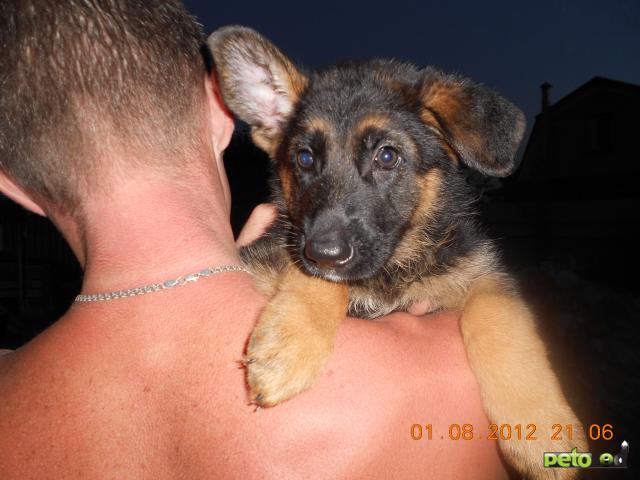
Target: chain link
[[156, 287]]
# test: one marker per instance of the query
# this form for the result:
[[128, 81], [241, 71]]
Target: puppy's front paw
[[285, 355], [293, 338]]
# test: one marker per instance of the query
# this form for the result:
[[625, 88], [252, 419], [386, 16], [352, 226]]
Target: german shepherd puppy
[[375, 216]]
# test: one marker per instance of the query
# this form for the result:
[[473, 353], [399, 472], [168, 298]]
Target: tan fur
[[319, 125], [314, 124], [293, 337], [435, 126], [284, 174], [517, 382], [446, 290], [449, 289], [443, 105], [265, 139], [410, 245], [297, 81], [370, 121], [451, 153], [443, 99], [265, 278], [430, 119]]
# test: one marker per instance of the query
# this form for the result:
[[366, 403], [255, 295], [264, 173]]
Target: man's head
[[84, 82]]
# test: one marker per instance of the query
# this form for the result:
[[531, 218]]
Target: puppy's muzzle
[[329, 249]]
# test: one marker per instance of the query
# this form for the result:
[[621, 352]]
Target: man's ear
[[257, 81], [483, 128], [11, 189], [220, 117]]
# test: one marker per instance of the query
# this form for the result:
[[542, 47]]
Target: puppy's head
[[362, 150]]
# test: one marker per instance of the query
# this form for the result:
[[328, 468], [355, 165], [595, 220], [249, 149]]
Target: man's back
[[145, 402]]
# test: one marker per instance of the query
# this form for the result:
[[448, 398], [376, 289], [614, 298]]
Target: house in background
[[575, 198]]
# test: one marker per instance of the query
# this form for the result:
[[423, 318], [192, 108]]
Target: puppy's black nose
[[329, 249]]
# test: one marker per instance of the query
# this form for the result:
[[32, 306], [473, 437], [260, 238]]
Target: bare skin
[[150, 387]]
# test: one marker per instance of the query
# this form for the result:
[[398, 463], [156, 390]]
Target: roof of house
[[597, 83]]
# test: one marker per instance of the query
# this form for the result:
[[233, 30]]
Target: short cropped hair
[[79, 78]]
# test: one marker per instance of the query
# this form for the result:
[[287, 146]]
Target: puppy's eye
[[387, 158], [304, 158]]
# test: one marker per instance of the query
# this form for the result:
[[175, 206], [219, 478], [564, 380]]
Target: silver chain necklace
[[156, 287]]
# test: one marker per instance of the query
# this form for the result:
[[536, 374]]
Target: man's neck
[[150, 231]]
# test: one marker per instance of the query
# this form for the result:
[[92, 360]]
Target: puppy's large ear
[[258, 82], [483, 128]]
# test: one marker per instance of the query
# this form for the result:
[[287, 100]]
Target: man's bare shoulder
[[383, 377], [355, 422], [67, 405]]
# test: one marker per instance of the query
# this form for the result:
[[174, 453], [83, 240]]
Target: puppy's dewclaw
[[246, 361], [375, 216]]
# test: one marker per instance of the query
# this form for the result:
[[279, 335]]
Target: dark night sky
[[511, 46]]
